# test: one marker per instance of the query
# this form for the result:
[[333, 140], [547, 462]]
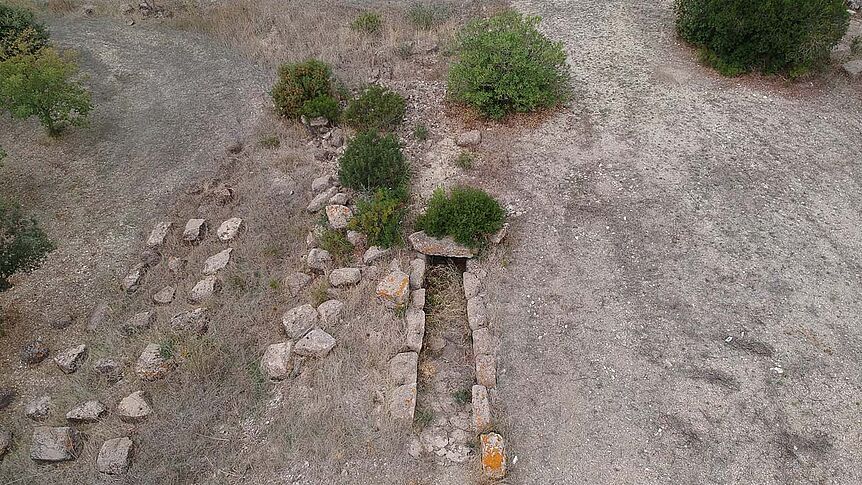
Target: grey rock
[[298, 321], [195, 230], [322, 183], [315, 343], [165, 295], [321, 199], [62, 322], [193, 321], [87, 412], [158, 234], [5, 441], [486, 370], [110, 369], [276, 363], [34, 352], [339, 199], [151, 364], [403, 368], [853, 68], [477, 313], [150, 258], [394, 289], [415, 329], [229, 229], [296, 282], [176, 265], [204, 289], [70, 359], [402, 403], [55, 444], [134, 407], [482, 342], [469, 138], [39, 408], [132, 281], [330, 312], [357, 239], [417, 299], [217, 262], [417, 273], [431, 246], [472, 285], [319, 259], [338, 216], [345, 277], [481, 409], [374, 253], [115, 456]]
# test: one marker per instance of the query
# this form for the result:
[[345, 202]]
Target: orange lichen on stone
[[493, 456], [394, 289]]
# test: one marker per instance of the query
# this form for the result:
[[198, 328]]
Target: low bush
[[505, 65], [367, 23], [424, 16], [322, 106], [20, 33], [336, 244], [377, 108], [302, 88], [736, 36], [379, 218], [467, 214], [23, 243], [464, 161], [43, 85], [372, 162]]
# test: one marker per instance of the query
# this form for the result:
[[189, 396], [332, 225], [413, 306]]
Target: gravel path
[[683, 301]]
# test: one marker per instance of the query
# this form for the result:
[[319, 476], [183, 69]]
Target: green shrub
[[426, 16], [322, 106], [505, 65], [337, 244], [23, 243], [301, 84], [736, 36], [377, 108], [379, 218], [20, 33], [372, 162], [467, 214], [367, 23], [43, 85]]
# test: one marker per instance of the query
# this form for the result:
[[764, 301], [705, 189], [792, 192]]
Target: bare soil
[[681, 299]]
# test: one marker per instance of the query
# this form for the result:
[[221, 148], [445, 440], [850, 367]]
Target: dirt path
[[683, 299]]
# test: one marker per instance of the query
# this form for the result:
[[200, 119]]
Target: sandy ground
[[683, 295]]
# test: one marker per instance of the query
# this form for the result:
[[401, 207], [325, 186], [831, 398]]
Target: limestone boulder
[[322, 183], [345, 277], [195, 230], [110, 369], [134, 408], [402, 403], [319, 259], [217, 262], [55, 444], [316, 343], [192, 321], [481, 409], [394, 289], [164, 296], [204, 289], [298, 321], [320, 200], [486, 370], [115, 456], [296, 282], [276, 363], [432, 246], [139, 322], [87, 412], [331, 312], [472, 285], [477, 313], [338, 216], [133, 279], [415, 329], [70, 359], [374, 253], [229, 229], [417, 273]]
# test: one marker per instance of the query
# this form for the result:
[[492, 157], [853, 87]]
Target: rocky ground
[[683, 289]]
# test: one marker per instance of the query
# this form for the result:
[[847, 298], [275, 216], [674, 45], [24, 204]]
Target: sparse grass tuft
[[318, 293], [464, 161], [337, 244], [368, 23], [423, 418], [420, 132], [270, 141], [424, 16], [463, 396]]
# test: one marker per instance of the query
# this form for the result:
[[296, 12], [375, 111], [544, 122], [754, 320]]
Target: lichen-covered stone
[[298, 321], [345, 277], [152, 365], [394, 289], [493, 456]]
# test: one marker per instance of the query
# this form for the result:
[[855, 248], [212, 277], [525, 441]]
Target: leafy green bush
[[336, 244], [299, 86], [20, 33], [322, 106], [43, 85], [426, 16], [367, 22], [467, 214], [506, 65], [379, 218], [736, 36], [377, 108], [372, 162], [23, 243]]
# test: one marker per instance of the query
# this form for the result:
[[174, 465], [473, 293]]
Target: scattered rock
[[150, 258], [176, 265], [275, 362], [482, 342], [330, 312], [5, 441], [311, 240], [394, 289], [321, 199], [472, 285], [345, 277], [229, 229], [498, 236], [39, 408], [127, 9], [165, 295], [298, 321], [477, 314], [431, 246], [193, 321], [204, 289], [139, 322], [374, 253], [319, 259], [7, 395], [70, 359], [469, 138], [99, 316], [402, 403], [481, 409], [357, 239], [486, 370], [87, 412], [132, 281], [415, 329], [338, 216], [296, 282], [417, 299], [339, 199], [316, 343], [336, 138], [417, 273], [853, 68], [403, 368], [217, 262], [322, 183], [433, 439], [158, 234], [34, 352], [115, 456], [55, 444], [195, 230], [493, 456], [63, 322], [110, 369], [134, 407], [152, 365]]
